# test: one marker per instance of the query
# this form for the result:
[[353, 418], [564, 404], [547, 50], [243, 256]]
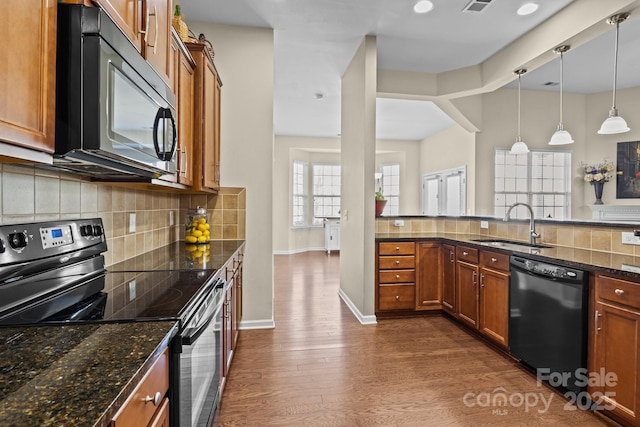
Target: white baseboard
[[258, 324], [298, 251], [365, 320]]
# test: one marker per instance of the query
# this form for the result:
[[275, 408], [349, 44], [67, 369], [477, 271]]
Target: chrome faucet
[[532, 225]]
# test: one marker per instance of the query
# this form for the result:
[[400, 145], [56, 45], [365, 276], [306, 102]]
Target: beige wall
[[358, 208], [407, 154], [451, 148], [244, 58]]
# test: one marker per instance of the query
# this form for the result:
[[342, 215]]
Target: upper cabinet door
[[127, 14], [27, 78], [157, 37]]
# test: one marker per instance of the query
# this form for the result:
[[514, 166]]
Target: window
[[326, 192], [299, 193], [445, 192], [539, 178], [391, 188]]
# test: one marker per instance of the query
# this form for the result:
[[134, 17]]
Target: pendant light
[[519, 147], [561, 136], [614, 123]]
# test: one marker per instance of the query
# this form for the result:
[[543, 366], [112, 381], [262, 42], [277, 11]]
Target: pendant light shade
[[614, 123], [519, 147], [561, 136]]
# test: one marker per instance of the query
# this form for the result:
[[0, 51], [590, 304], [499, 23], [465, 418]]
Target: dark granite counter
[[74, 375], [591, 260]]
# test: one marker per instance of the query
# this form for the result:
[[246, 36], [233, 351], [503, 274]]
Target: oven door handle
[[190, 335]]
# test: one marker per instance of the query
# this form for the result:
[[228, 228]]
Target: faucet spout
[[532, 225]]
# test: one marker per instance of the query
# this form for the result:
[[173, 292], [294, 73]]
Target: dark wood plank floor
[[321, 367]]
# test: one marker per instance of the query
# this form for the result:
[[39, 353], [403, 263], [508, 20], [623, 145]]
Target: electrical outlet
[[398, 223], [132, 223], [484, 224], [132, 289], [628, 238], [171, 220]]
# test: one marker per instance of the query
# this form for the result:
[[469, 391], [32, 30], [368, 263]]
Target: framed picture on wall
[[628, 170]]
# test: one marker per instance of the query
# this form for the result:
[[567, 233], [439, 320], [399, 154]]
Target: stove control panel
[[56, 236]]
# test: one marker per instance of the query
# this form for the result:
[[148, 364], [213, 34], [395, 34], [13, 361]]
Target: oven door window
[[200, 368]]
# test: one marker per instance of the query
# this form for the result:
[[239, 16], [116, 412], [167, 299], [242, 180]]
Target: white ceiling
[[314, 41]]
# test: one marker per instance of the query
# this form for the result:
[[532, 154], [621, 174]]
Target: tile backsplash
[[29, 194]]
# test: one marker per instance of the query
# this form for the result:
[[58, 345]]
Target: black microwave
[[115, 116]]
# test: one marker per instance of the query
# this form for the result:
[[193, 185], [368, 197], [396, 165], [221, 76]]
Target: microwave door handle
[[164, 114]]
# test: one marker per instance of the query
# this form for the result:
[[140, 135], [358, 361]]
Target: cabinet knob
[[397, 262], [465, 253], [397, 276], [397, 297], [619, 292], [494, 260], [397, 248], [155, 399]]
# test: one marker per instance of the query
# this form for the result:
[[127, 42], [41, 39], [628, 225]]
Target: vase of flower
[[598, 186], [380, 202], [597, 175]]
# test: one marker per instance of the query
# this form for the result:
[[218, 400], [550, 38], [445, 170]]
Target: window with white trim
[[539, 178], [326, 191], [299, 193], [390, 184]]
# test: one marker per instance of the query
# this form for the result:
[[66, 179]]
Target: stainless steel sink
[[510, 244]]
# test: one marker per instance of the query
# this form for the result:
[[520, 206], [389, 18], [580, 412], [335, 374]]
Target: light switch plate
[[132, 223], [484, 224], [398, 223], [171, 220], [132, 289]]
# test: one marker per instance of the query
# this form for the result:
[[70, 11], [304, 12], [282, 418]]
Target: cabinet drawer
[[388, 262], [397, 248], [397, 297], [136, 411], [397, 276], [619, 291], [494, 260], [464, 253]]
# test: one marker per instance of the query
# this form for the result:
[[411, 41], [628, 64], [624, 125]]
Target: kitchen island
[[76, 374]]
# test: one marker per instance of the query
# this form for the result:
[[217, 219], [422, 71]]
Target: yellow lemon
[[195, 223], [206, 233], [203, 220], [202, 227], [202, 239], [196, 233], [207, 226], [191, 239]]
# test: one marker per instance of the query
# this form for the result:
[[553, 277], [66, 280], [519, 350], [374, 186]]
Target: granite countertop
[[76, 374], [591, 260]]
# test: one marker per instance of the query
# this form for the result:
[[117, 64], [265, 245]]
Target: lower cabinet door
[[467, 293], [494, 305], [161, 418], [449, 279]]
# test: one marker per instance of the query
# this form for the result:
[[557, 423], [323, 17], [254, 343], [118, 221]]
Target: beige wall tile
[[105, 203], [582, 237], [566, 235], [229, 217], [18, 187], [88, 197], [117, 199], [601, 239], [230, 201], [616, 243], [47, 195], [69, 197]]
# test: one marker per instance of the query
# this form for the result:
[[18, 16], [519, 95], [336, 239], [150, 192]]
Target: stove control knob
[[86, 230], [97, 230], [2, 246], [17, 240]]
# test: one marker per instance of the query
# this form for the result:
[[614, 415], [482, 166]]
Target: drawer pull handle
[[494, 259], [595, 321], [397, 262], [155, 399], [397, 276], [397, 248], [465, 253], [619, 292], [397, 297]]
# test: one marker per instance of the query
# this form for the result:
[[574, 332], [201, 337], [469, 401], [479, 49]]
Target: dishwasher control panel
[[546, 269]]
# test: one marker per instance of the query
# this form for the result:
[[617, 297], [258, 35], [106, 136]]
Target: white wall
[[244, 59], [357, 231]]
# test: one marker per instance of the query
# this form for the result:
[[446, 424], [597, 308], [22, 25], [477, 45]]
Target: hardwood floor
[[321, 367]]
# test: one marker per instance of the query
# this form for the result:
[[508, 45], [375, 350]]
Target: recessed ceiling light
[[423, 6], [319, 95], [527, 9]]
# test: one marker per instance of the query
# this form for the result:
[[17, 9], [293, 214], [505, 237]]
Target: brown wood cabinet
[[27, 115], [494, 296], [183, 78], [396, 276], [147, 23], [467, 292], [428, 276], [206, 159], [148, 402], [615, 347], [449, 278]]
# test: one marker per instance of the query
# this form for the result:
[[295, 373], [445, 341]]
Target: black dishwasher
[[548, 321]]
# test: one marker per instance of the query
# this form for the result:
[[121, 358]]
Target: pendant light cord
[[561, 81], [615, 65], [519, 108]]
